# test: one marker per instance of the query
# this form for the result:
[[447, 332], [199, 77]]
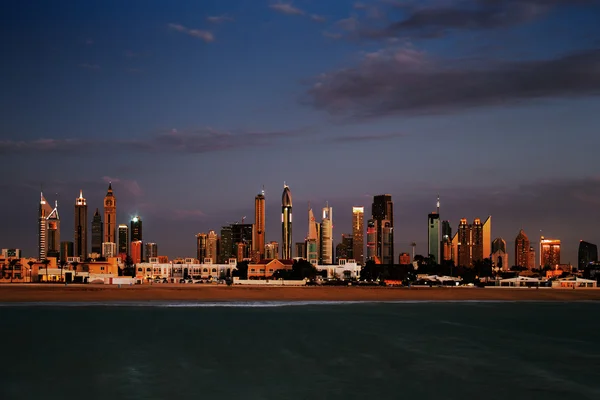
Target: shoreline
[[22, 293]]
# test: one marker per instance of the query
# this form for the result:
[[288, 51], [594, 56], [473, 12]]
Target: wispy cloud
[[318, 18], [132, 187], [407, 81], [206, 36], [286, 8], [217, 19], [89, 66]]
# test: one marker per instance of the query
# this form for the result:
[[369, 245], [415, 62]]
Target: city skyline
[[105, 91]]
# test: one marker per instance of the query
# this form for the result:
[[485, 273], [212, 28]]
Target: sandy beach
[[54, 293]]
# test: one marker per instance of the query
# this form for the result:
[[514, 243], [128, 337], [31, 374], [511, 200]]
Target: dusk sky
[[190, 107]]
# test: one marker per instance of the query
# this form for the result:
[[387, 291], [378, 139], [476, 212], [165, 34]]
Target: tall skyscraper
[[226, 247], [588, 253], [500, 255], [123, 247], [97, 233], [53, 233], [313, 239], [358, 234], [382, 209], [286, 223], [522, 246], [66, 250], [446, 247], [136, 233], [271, 250], [474, 241], [326, 257], [344, 248], [151, 251], [202, 246], [433, 234], [137, 251], [242, 233], [258, 242], [81, 227], [549, 252], [43, 213], [110, 216], [211, 246], [301, 249], [372, 240]]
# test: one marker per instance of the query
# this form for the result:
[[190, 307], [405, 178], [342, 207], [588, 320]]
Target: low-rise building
[[264, 269], [345, 269], [184, 268]]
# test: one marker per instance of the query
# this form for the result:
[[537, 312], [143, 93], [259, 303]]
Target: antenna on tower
[[438, 204], [263, 190]]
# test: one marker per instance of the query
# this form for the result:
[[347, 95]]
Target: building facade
[[97, 233], [43, 212], [474, 241], [81, 227], [150, 251], [433, 236], [123, 247], [382, 211], [212, 247], [226, 244], [271, 250], [358, 234], [137, 251], [110, 216], [326, 256], [522, 246], [587, 254], [372, 240], [202, 246], [500, 255], [549, 252], [67, 250], [286, 223], [53, 233], [258, 241]]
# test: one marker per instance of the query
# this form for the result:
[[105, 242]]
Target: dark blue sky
[[189, 107]]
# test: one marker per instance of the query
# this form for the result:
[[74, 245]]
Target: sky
[[189, 108]]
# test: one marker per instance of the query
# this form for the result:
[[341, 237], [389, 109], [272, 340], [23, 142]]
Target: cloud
[[206, 36], [89, 66], [286, 8], [440, 18], [318, 18], [217, 19], [406, 81], [348, 24], [131, 187]]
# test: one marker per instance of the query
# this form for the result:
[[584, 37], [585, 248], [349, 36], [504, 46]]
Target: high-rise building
[[454, 248], [151, 251], [286, 223], [242, 251], [474, 241], [258, 242], [242, 233], [499, 254], [382, 210], [137, 251], [301, 249], [66, 251], [531, 257], [549, 252], [211, 246], [110, 216], [271, 250], [312, 251], [358, 234], [446, 250], [226, 244], [372, 240], [81, 227], [44, 211], [202, 247], [433, 234], [123, 247], [344, 249], [136, 233], [587, 254], [326, 257], [522, 246], [109, 250], [446, 229], [53, 232], [97, 233]]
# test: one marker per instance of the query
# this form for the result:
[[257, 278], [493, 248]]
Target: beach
[[180, 292]]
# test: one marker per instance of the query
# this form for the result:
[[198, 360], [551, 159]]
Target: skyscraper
[[499, 254], [53, 232], [242, 233], [211, 246], [549, 252], [372, 240], [123, 247], [522, 251], [588, 253], [81, 220], [258, 242], [151, 251], [110, 216], [226, 247], [271, 250], [137, 251], [358, 234], [326, 257], [474, 241], [97, 233], [136, 229], [433, 234], [313, 239], [201, 246], [344, 248], [382, 209], [286, 223], [66, 250], [43, 213], [446, 249], [301, 249]]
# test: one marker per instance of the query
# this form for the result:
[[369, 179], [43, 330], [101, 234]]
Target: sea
[[300, 350]]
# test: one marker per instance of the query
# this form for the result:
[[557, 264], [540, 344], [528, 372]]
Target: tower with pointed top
[[80, 237], [433, 233], [286, 223], [326, 256], [43, 213], [53, 233], [258, 242], [110, 216]]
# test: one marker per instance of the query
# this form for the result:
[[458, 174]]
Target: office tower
[[487, 238], [358, 235], [136, 233], [226, 245], [202, 247], [531, 257], [242, 233], [123, 247], [446, 246], [326, 256], [433, 234], [587, 254], [301, 249], [109, 250], [211, 246], [549, 252], [446, 229], [522, 246], [97, 233], [344, 249], [474, 241], [151, 251], [258, 242], [136, 251], [499, 254], [312, 251], [110, 216], [43, 213], [382, 209], [271, 250], [242, 251], [81, 227], [53, 233], [286, 223], [66, 250], [372, 241], [454, 248]]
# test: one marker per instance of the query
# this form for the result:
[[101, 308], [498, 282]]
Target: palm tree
[[46, 262], [74, 264], [63, 264], [30, 263]]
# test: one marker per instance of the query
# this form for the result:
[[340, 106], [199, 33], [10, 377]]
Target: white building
[[109, 249], [345, 269], [188, 268]]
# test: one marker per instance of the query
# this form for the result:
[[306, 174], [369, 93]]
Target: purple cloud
[[206, 36]]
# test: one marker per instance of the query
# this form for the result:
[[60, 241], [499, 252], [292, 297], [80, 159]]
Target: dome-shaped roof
[[286, 197]]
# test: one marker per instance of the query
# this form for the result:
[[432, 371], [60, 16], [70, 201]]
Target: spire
[[109, 185], [438, 204], [80, 193]]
